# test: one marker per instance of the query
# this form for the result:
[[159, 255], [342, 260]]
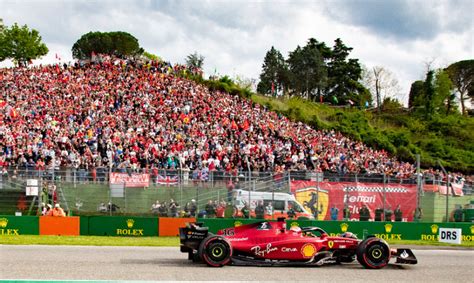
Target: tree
[[195, 60], [462, 76], [308, 72], [274, 73], [116, 43], [416, 95], [343, 73], [21, 44], [381, 83], [444, 96], [429, 92]]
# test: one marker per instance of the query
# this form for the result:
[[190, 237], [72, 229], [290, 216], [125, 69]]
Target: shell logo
[[434, 228], [237, 223], [4, 222], [308, 250], [388, 228], [130, 223], [344, 227]]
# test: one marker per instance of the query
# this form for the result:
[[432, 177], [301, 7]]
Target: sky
[[403, 36]]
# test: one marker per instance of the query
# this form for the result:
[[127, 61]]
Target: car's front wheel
[[373, 253], [216, 251]]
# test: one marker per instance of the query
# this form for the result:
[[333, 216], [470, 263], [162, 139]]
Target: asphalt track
[[160, 263]]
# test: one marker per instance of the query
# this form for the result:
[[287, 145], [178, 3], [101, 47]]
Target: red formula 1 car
[[269, 243]]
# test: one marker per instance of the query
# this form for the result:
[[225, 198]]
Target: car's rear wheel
[[216, 251], [373, 253]]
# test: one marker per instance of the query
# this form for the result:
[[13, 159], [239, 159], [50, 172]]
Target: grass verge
[[152, 241], [89, 241]]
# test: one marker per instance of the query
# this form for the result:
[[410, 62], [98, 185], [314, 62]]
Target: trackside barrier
[[121, 226], [61, 226], [19, 225], [384, 230], [170, 226]]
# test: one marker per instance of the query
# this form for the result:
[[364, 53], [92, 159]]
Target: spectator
[[346, 212], [388, 214], [57, 211], [291, 212], [378, 214], [398, 214], [155, 207], [364, 213], [102, 207], [112, 207], [269, 209], [334, 212], [220, 211], [245, 211], [210, 209], [193, 208], [163, 210], [173, 208], [260, 210]]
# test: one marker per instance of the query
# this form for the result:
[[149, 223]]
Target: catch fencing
[[174, 193]]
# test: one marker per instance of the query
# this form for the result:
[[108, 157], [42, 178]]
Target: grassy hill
[[448, 138]]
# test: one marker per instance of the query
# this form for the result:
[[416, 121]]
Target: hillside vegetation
[[448, 138]]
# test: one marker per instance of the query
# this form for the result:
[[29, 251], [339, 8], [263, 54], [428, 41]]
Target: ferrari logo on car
[[308, 250], [330, 244]]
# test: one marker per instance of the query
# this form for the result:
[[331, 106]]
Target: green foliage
[[343, 73], [391, 105], [151, 56], [195, 60], [416, 95], [112, 43], [274, 71], [21, 44], [462, 76], [448, 138], [308, 71]]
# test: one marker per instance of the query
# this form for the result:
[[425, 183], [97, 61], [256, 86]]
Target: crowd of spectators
[[121, 114]]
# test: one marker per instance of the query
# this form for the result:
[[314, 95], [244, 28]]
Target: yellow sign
[[130, 231], [344, 227], [3, 224], [330, 244], [237, 223], [294, 224], [388, 228], [434, 228], [472, 229]]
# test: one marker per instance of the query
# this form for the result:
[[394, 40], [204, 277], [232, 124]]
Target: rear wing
[[191, 236]]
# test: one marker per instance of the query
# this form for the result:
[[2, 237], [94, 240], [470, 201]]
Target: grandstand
[[92, 118]]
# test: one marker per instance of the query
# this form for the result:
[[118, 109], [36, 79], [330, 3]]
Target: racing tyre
[[373, 253], [216, 251]]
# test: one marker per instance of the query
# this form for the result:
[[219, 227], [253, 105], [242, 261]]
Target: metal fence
[[195, 192]]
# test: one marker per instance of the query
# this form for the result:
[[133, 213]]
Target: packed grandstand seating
[[124, 114]]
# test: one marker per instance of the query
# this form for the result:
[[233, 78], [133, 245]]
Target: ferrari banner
[[130, 180], [330, 200]]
